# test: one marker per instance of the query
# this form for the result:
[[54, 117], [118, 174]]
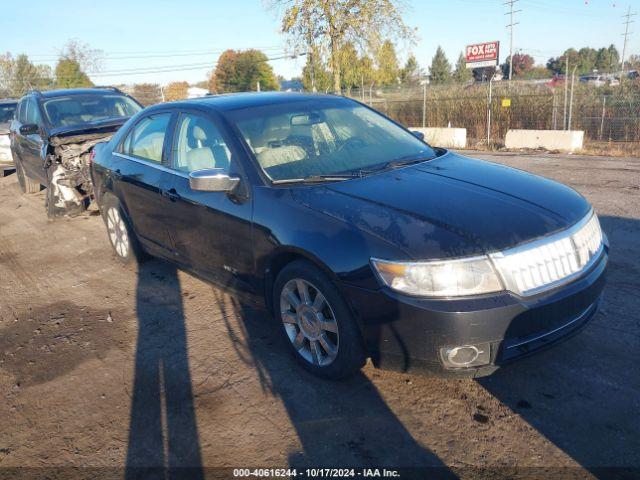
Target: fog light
[[466, 355]]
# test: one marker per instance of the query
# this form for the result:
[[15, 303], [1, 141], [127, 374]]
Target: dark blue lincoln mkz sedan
[[364, 241]]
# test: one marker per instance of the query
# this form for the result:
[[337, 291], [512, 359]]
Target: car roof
[[78, 91], [4, 101], [236, 101]]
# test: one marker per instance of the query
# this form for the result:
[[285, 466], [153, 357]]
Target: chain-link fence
[[608, 115]]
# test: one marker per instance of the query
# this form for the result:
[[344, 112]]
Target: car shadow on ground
[[582, 395], [163, 435], [339, 423]]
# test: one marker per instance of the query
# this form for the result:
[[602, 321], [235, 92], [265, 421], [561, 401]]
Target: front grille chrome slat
[[543, 264]]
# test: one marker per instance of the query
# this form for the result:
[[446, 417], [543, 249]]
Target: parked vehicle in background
[[7, 108], [52, 136], [594, 80], [362, 240]]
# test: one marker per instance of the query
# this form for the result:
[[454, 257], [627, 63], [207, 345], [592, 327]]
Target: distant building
[[294, 85], [197, 92]]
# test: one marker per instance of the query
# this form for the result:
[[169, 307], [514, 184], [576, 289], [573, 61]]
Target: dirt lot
[[103, 365]]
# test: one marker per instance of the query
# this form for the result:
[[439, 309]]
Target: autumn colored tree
[[69, 74], [349, 67], [18, 75], [75, 60], [241, 71], [329, 25], [176, 91], [522, 63], [387, 62], [147, 93]]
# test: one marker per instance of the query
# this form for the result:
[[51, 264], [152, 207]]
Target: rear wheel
[[27, 184], [317, 322], [121, 235]]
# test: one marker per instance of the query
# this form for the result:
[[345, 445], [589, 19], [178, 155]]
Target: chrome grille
[[545, 263]]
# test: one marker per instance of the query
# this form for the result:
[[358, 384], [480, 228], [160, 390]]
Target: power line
[[511, 24], [626, 34], [136, 54]]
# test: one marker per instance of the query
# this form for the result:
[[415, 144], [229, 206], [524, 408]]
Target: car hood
[[450, 206], [108, 125]]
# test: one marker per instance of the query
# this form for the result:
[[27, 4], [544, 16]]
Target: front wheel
[[317, 322]]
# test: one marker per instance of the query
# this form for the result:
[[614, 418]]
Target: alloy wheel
[[309, 322], [117, 232]]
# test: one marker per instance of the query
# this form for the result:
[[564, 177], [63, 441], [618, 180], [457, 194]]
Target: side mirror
[[29, 129], [212, 180], [418, 135]]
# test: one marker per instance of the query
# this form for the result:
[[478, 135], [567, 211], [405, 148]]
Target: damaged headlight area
[[70, 189]]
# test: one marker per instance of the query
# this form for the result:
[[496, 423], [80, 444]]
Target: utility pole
[[511, 24], [626, 34]]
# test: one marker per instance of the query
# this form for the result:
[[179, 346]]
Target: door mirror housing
[[418, 135], [29, 129], [212, 180]]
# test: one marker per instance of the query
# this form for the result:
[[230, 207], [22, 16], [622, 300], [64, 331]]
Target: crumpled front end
[[5, 149], [70, 189]]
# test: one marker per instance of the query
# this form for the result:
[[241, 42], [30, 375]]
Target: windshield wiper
[[397, 163], [318, 178]]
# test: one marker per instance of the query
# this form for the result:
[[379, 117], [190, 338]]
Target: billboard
[[481, 55]]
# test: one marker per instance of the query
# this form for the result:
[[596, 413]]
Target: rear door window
[[146, 140]]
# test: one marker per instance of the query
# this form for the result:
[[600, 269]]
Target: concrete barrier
[[444, 137], [563, 140]]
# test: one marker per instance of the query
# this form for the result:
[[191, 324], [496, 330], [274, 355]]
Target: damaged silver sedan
[[53, 135]]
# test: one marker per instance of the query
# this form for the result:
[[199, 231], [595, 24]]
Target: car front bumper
[[6, 160], [408, 333]]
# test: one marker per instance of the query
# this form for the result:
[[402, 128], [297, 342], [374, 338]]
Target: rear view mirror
[[306, 119], [418, 135], [212, 180], [28, 129]]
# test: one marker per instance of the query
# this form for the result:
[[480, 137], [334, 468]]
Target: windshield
[[6, 112], [324, 137], [81, 109]]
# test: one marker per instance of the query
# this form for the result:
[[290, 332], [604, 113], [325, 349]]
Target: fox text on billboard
[[482, 54]]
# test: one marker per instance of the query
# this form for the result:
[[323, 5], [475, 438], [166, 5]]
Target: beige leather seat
[[271, 153], [202, 156], [150, 147]]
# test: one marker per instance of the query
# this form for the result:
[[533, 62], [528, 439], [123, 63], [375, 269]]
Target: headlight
[[445, 278]]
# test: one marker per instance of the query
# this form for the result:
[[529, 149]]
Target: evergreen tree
[[411, 72], [440, 70], [462, 74], [387, 62], [70, 75]]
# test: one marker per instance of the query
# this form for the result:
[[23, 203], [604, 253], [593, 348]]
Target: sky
[[181, 40]]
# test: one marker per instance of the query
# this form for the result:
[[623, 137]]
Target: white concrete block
[[444, 137], [563, 140]]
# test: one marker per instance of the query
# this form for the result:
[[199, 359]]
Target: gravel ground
[[108, 366]]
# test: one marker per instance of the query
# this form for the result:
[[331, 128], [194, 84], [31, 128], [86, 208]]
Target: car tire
[[321, 332], [27, 184], [121, 236]]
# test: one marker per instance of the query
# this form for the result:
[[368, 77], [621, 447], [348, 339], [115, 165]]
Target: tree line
[[19, 75]]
